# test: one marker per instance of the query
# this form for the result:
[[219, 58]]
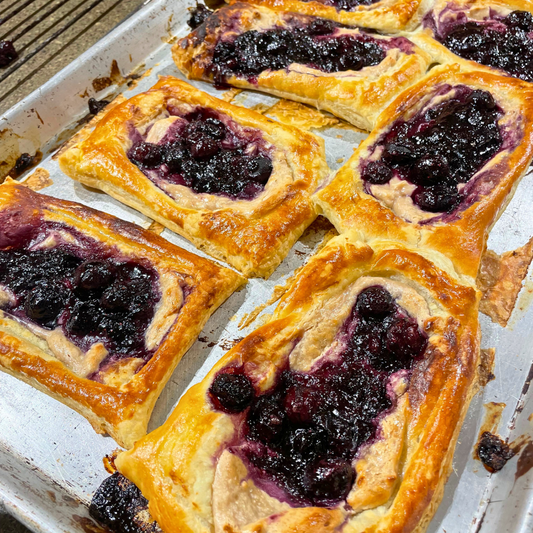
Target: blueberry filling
[[314, 44], [505, 44], [208, 155], [439, 148], [120, 506], [92, 296], [304, 432]]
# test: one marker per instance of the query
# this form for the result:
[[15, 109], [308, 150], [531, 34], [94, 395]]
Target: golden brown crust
[[424, 36], [384, 15], [253, 236], [176, 466], [463, 237], [356, 96], [122, 410]]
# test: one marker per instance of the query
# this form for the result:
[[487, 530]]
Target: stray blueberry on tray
[[199, 15], [8, 54], [95, 106]]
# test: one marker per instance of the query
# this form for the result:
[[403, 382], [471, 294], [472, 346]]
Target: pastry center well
[[303, 434], [439, 149]]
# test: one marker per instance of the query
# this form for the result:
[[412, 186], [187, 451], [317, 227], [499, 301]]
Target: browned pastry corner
[[404, 183], [97, 312], [500, 280], [356, 91], [452, 31], [384, 15], [312, 422], [253, 225]]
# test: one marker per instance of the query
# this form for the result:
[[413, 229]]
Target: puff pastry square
[[441, 164], [97, 312], [479, 34], [343, 409], [384, 15], [197, 192], [346, 71]]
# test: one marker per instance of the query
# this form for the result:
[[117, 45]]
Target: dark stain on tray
[[525, 460], [228, 344], [88, 525], [24, 162], [493, 452]]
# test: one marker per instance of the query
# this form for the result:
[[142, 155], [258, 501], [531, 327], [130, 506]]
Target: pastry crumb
[[40, 179], [500, 280]]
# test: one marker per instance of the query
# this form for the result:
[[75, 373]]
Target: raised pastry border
[[384, 15]]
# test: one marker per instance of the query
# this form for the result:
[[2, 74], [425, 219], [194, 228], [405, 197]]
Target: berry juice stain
[[439, 149], [208, 155], [304, 432], [90, 293]]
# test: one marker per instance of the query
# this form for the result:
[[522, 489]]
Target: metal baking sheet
[[51, 459]]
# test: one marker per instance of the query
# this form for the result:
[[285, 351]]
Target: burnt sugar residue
[[119, 505], [493, 452]]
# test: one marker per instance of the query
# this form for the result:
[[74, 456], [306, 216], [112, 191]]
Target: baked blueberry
[[377, 173], [199, 14], [375, 302], [437, 199], [232, 392], [92, 275], [147, 155], [330, 479], [8, 54], [44, 302], [266, 419]]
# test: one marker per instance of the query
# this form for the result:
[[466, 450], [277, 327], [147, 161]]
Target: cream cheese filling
[[323, 324]]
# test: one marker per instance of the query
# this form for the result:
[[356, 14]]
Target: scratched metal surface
[[51, 459]]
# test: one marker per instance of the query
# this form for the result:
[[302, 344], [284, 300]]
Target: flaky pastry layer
[[384, 15]]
